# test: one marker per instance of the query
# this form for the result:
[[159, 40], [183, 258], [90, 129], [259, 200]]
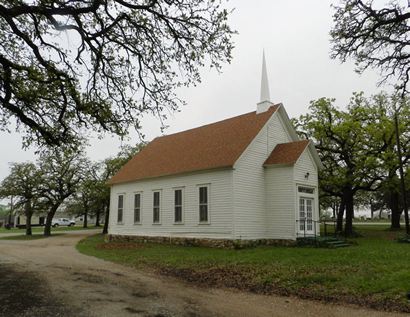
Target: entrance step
[[323, 242], [337, 244], [405, 239]]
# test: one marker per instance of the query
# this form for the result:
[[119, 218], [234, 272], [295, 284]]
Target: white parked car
[[62, 222]]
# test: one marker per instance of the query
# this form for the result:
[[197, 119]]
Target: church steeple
[[264, 102]]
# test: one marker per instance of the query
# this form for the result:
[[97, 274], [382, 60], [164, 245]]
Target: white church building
[[247, 178]]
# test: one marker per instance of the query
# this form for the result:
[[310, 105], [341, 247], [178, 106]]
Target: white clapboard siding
[[220, 206], [280, 202], [249, 180], [305, 164], [277, 133]]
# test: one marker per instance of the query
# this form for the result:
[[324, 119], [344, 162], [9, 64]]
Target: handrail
[[307, 222], [325, 224]]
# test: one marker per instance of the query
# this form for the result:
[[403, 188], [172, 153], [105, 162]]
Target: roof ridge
[[216, 122]]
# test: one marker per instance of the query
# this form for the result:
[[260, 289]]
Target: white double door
[[306, 225]]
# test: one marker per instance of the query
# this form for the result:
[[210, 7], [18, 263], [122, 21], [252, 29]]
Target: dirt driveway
[[48, 277]]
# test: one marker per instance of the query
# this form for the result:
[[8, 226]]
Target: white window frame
[[140, 208], [182, 189], [122, 209], [208, 191], [159, 207], [301, 189], [306, 224], [304, 195]]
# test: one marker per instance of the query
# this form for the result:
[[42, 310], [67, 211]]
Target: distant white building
[[244, 178], [20, 220]]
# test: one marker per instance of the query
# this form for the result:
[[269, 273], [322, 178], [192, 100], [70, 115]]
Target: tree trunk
[[401, 172], [107, 218], [395, 221], [340, 214], [49, 220], [11, 211], [349, 213], [28, 213], [372, 209], [395, 210], [334, 208], [9, 222], [97, 218], [85, 222], [380, 213], [28, 226]]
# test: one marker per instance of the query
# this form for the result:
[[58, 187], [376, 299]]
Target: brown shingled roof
[[286, 153], [211, 146]]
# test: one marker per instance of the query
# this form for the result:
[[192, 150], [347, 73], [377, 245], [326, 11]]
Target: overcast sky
[[295, 36]]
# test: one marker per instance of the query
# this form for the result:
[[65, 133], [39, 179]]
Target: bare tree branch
[[119, 60]]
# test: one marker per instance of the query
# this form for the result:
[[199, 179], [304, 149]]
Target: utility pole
[[401, 169]]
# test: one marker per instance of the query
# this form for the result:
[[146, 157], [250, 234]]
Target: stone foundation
[[201, 242]]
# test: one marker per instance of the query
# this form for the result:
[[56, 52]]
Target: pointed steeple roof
[[264, 102], [265, 95]]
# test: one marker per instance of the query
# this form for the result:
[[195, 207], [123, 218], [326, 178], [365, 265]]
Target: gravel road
[[48, 277]]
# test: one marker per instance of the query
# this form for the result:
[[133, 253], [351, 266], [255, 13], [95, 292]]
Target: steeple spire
[[264, 81], [264, 102]]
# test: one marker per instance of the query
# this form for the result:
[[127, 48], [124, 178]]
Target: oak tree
[[62, 169], [23, 184], [377, 37], [374, 36], [69, 66], [355, 145]]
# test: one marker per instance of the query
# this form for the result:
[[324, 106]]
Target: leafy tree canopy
[[375, 37], [68, 66], [356, 145], [4, 210], [63, 170], [23, 183]]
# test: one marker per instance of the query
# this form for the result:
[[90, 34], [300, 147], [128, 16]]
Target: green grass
[[32, 237], [374, 273], [41, 229]]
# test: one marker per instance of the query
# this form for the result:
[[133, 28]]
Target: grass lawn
[[373, 273], [32, 237], [41, 229]]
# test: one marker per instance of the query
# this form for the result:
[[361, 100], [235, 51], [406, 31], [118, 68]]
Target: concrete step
[[328, 239], [324, 242], [341, 245], [335, 242]]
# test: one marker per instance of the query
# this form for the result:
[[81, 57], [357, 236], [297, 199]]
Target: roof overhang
[[279, 165], [222, 168]]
